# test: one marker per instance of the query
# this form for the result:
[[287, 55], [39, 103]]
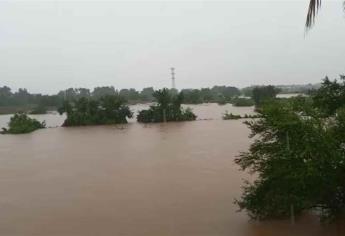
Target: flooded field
[[175, 179]]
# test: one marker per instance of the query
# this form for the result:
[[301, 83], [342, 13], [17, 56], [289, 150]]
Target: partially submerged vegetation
[[242, 102], [168, 108], [230, 116], [20, 123], [110, 109], [298, 156]]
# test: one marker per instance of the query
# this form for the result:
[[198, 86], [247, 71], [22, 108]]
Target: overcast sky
[[52, 45]]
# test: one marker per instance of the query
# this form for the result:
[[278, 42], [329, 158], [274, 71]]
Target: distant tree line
[[23, 101], [192, 96], [219, 94], [286, 89]]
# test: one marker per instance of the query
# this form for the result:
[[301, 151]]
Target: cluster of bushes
[[110, 109], [154, 114], [20, 123], [168, 108]]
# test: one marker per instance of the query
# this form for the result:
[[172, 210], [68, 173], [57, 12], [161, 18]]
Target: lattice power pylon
[[173, 86]]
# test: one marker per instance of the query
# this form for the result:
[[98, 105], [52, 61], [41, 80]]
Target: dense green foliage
[[331, 96], [109, 109], [298, 156], [168, 108], [20, 123]]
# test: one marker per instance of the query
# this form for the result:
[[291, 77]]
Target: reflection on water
[[157, 179]]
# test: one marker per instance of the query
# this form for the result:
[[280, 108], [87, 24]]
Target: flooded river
[[175, 179]]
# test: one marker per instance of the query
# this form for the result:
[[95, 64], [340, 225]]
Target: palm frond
[[314, 6]]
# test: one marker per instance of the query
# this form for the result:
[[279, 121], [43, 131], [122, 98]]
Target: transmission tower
[[173, 78]]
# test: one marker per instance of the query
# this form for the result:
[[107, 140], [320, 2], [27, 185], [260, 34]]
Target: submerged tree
[[109, 109], [168, 108], [20, 123]]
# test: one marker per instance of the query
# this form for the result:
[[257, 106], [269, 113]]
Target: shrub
[[20, 123]]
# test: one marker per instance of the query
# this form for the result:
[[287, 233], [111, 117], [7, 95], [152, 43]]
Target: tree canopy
[[167, 108], [109, 109], [298, 156]]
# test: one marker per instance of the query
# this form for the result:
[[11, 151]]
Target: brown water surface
[[147, 180]]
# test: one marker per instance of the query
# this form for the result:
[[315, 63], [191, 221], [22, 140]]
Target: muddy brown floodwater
[[175, 179]]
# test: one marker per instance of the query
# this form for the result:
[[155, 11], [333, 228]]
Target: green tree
[[168, 108], [260, 94], [103, 91], [330, 96], [298, 157], [109, 109], [20, 123], [146, 94]]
